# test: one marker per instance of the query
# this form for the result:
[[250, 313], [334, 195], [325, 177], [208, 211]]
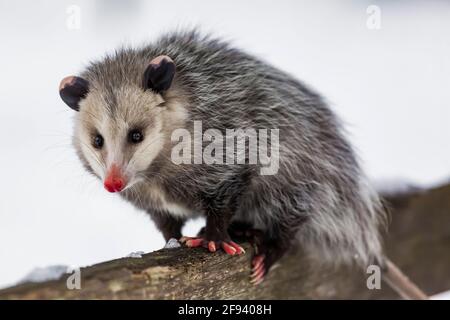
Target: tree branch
[[418, 242]]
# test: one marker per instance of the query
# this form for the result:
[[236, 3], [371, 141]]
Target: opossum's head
[[119, 124]]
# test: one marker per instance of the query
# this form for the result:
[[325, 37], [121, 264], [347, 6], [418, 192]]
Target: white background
[[391, 86]]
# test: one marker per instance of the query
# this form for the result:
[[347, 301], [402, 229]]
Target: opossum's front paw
[[229, 247], [258, 269]]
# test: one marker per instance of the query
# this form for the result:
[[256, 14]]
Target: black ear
[[72, 89], [159, 74]]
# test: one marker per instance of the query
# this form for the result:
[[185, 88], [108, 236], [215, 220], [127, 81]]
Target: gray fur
[[319, 195]]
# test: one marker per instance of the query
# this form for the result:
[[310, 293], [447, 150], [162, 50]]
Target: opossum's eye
[[135, 136], [159, 74], [98, 141]]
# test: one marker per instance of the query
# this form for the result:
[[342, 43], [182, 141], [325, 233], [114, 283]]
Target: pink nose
[[114, 185], [114, 182]]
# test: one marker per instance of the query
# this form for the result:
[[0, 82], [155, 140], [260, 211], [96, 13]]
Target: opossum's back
[[232, 87]]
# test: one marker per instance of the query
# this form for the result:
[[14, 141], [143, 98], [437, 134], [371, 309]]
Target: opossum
[[131, 102]]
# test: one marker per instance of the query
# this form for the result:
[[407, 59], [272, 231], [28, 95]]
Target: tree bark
[[418, 242]]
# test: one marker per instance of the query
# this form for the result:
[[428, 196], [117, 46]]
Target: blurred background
[[384, 66]]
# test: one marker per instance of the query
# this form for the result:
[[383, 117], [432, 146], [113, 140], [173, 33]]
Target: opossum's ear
[[159, 74], [72, 89]]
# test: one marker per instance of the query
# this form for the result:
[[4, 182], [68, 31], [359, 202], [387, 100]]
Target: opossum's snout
[[115, 180]]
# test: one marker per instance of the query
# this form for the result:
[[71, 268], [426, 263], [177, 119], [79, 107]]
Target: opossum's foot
[[258, 269], [230, 247], [267, 254], [244, 232]]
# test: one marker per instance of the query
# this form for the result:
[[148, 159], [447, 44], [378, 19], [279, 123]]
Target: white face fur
[[120, 142], [119, 132]]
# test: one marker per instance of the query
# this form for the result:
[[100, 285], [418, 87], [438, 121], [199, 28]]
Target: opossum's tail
[[399, 282]]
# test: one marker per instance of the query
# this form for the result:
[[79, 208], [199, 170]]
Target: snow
[[137, 254], [172, 243], [41, 274]]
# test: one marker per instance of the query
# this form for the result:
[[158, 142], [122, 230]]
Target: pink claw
[[231, 248], [239, 249], [193, 243], [228, 249], [258, 260], [258, 270], [212, 246]]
